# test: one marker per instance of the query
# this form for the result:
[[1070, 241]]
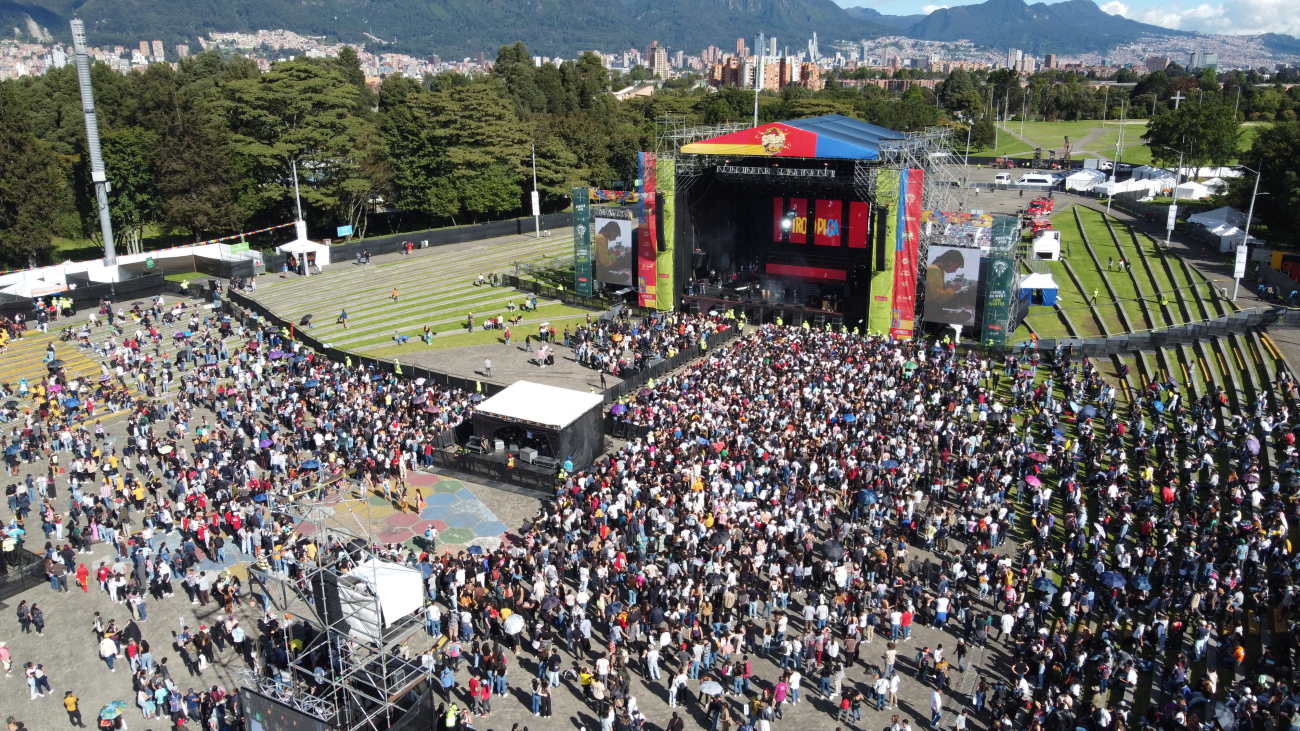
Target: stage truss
[[367, 681]]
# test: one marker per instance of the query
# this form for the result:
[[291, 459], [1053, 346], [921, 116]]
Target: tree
[[133, 201], [201, 179], [34, 191], [1276, 150], [983, 135], [1206, 134], [298, 113]]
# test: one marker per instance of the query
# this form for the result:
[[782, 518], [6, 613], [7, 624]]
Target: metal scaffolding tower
[[349, 671]]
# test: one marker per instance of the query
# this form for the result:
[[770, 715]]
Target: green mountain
[[1073, 26], [900, 22], [450, 28]]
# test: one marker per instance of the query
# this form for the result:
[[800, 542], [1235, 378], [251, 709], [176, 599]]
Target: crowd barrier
[[21, 571]]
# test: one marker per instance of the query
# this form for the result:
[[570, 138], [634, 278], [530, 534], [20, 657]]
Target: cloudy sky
[[1236, 17]]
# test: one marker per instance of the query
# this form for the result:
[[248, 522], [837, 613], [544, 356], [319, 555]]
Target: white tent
[[1222, 227], [1084, 179], [1149, 172], [1192, 191], [34, 288], [1216, 186], [320, 253]]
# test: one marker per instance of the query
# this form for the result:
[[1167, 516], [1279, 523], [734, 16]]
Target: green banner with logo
[[664, 286], [581, 242], [999, 287], [883, 243]]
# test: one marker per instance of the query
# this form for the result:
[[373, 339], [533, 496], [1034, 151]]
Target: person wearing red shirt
[[906, 624]]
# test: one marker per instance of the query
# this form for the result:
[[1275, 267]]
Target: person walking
[[107, 651], [936, 707], [38, 619], [487, 367], [343, 316], [394, 296], [70, 702]]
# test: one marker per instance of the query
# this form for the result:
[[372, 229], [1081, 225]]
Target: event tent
[[1222, 227], [1038, 288], [1084, 179], [569, 422], [828, 136], [1192, 191]]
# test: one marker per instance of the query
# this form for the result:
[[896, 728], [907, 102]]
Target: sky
[[1231, 17]]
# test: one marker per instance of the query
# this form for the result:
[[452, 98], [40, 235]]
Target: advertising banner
[[611, 245], [799, 226], [859, 223], [1001, 279], [647, 233], [908, 242], [581, 242], [951, 284], [826, 228], [882, 246], [667, 185]]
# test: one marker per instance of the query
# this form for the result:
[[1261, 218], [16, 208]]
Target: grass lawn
[[183, 276], [478, 337]]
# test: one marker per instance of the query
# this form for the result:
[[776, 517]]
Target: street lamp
[[1236, 273], [1114, 170], [1173, 207]]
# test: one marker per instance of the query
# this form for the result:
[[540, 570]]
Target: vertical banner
[[646, 253], [882, 275], [665, 289], [859, 219], [826, 231], [582, 242], [903, 312], [799, 227], [778, 219], [999, 281]]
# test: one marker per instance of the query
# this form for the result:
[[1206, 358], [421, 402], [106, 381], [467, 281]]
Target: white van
[[1036, 179], [1002, 179]]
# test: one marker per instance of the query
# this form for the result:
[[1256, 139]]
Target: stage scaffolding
[[367, 684]]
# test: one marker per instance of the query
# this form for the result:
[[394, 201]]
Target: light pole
[[1236, 274], [1023, 100], [758, 74], [1173, 207], [1114, 169], [536, 199]]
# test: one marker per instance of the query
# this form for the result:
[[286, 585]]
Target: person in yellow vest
[[779, 323], [805, 324], [510, 462]]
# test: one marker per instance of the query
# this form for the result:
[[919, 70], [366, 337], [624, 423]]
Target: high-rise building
[[771, 47], [144, 48], [59, 57], [659, 61], [813, 52], [1050, 61], [679, 59], [650, 53], [1202, 60], [740, 47], [158, 54], [1157, 63], [1013, 58], [182, 50]]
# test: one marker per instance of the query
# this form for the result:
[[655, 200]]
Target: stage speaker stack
[[694, 307], [819, 321], [660, 243]]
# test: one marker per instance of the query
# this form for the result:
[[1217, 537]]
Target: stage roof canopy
[[833, 136], [539, 404]]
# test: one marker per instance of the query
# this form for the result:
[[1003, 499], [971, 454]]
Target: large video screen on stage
[[612, 247], [951, 280], [265, 714]]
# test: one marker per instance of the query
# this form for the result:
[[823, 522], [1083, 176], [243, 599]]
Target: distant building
[[788, 71], [1157, 63], [771, 47], [182, 51], [650, 53], [1013, 58], [1050, 61], [59, 58], [482, 58], [144, 48], [810, 76], [158, 54], [659, 62], [679, 59], [1202, 60], [813, 52], [740, 47]]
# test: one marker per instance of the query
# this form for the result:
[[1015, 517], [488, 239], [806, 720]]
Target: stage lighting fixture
[[787, 221]]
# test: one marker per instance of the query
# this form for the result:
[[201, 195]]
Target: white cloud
[[927, 9], [1232, 17]]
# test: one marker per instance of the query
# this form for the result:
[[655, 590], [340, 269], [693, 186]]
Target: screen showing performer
[[611, 244], [951, 280]]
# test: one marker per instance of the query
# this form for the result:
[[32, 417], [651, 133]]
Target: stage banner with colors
[[859, 225], [581, 242], [1000, 281], [666, 182], [882, 247], [903, 313], [826, 228], [645, 250]]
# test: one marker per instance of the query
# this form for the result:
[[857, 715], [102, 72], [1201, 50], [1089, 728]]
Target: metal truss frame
[[366, 679]]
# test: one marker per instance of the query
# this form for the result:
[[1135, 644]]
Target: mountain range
[[458, 28]]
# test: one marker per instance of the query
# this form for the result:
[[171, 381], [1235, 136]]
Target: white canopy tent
[[1222, 227], [538, 403], [1084, 179], [1192, 191]]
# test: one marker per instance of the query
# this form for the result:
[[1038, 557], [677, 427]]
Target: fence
[[443, 236], [1236, 323]]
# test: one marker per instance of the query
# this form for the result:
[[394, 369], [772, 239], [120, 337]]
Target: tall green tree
[[297, 114], [133, 202], [1276, 154], [34, 191], [1205, 134]]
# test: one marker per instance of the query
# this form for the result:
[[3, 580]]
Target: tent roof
[[537, 403], [828, 136], [1218, 217], [1037, 281]]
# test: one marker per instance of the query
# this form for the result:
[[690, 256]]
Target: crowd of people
[[800, 501]]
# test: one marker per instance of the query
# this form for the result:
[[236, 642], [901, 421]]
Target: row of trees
[[209, 147]]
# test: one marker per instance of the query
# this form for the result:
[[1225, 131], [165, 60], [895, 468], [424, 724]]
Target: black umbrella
[[550, 602], [305, 321], [720, 538], [56, 363], [833, 550]]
